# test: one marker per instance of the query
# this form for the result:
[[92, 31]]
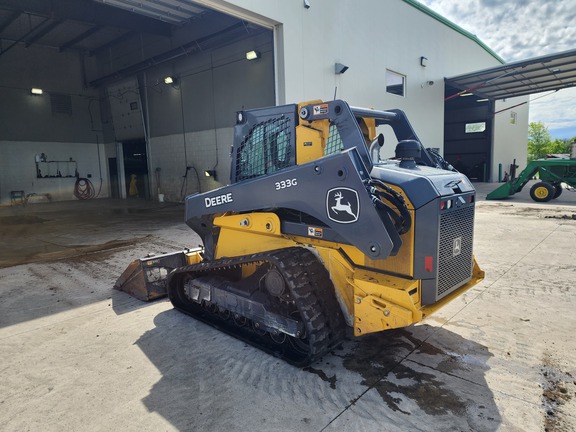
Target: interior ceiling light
[[253, 55], [467, 94], [168, 80], [36, 91]]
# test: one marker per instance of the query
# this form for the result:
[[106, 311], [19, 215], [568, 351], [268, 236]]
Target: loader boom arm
[[320, 181]]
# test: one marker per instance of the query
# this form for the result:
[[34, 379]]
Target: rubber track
[[310, 288], [320, 279]]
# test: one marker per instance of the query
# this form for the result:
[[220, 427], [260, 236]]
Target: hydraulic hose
[[396, 209], [439, 160]]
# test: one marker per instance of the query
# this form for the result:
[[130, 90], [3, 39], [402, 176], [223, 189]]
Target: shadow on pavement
[[423, 378]]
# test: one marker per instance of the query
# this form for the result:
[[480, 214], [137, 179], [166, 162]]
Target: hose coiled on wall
[[84, 189]]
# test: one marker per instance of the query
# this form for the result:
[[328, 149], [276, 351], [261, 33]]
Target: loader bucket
[[145, 278], [503, 191]]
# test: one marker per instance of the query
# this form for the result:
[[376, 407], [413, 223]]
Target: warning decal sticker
[[320, 109], [315, 232]]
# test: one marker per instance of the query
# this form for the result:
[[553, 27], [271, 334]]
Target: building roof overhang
[[540, 74]]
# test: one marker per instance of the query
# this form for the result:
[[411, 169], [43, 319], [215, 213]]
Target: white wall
[[369, 36], [205, 150], [510, 139], [30, 125], [18, 168], [191, 123]]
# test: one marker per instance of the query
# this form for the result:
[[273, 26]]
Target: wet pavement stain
[[99, 253], [377, 361], [425, 389], [21, 220], [323, 376], [14, 229], [407, 370], [47, 252]]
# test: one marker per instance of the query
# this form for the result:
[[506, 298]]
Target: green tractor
[[552, 173]]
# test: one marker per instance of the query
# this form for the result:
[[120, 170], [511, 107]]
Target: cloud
[[514, 29], [520, 30], [556, 111]]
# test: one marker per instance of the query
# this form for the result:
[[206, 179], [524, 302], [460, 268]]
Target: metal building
[[138, 98]]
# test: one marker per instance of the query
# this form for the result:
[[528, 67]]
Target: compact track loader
[[314, 233]]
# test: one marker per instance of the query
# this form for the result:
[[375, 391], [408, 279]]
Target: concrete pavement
[[77, 355]]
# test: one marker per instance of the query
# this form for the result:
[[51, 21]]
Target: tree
[[538, 140], [559, 146]]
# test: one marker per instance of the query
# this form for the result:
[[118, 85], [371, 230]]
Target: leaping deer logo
[[342, 205]]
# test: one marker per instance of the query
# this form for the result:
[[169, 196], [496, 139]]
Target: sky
[[519, 30]]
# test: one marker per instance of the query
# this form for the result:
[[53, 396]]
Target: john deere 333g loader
[[314, 233]]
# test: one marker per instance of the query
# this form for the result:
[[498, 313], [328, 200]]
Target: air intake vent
[[61, 104]]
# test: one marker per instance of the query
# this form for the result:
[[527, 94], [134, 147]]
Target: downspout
[[143, 96]]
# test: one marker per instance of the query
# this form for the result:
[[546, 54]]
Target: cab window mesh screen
[[334, 142], [265, 150]]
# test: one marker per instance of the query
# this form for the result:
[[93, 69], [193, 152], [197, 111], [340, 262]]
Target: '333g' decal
[[283, 184]]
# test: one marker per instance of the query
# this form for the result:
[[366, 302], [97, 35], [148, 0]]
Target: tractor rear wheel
[[558, 188]]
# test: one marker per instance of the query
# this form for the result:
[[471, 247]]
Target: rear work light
[[445, 205]]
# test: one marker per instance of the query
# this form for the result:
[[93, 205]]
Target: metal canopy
[[69, 24], [176, 12], [90, 25], [536, 75], [170, 29]]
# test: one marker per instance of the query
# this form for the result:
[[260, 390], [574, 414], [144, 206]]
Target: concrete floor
[[77, 355]]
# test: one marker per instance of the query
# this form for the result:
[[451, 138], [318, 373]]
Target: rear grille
[[455, 250]]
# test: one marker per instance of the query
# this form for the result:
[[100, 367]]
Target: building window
[[475, 127], [513, 117], [395, 83]]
